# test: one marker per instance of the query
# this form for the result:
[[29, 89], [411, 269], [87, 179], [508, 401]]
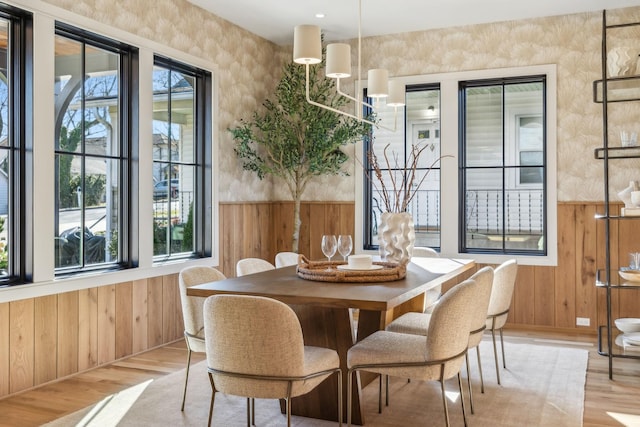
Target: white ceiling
[[274, 19]]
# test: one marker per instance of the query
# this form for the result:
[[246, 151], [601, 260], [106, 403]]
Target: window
[[503, 166], [420, 128], [181, 160], [94, 123], [15, 88], [492, 196]]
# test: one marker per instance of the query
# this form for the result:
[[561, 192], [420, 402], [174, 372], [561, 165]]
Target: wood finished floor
[[607, 403]]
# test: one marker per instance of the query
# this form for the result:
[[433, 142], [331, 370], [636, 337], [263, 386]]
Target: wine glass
[[345, 245], [329, 245]]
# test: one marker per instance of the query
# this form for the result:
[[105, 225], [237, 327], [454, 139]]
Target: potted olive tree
[[295, 141]]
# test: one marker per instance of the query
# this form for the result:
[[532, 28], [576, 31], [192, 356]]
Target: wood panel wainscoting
[[47, 338]]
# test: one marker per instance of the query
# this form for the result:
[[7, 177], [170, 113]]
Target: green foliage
[[187, 234], [93, 188], [293, 139], [68, 141]]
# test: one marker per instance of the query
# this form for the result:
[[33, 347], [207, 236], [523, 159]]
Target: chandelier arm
[[346, 95]]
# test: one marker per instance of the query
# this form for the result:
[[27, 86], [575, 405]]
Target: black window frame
[[20, 138], [203, 140], [462, 168], [128, 130]]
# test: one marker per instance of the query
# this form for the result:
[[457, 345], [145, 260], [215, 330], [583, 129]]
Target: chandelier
[[307, 50]]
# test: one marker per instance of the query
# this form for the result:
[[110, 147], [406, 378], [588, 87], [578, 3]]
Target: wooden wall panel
[[46, 339], [106, 324], [4, 348], [172, 324], [67, 333], [21, 345], [544, 296], [87, 328], [585, 267], [154, 310], [565, 272], [523, 305], [124, 320], [139, 304]]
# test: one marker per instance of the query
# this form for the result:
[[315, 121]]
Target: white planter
[[396, 237]]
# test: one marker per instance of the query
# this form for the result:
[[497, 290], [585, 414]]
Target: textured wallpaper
[[249, 67]]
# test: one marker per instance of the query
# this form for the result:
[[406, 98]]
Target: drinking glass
[[329, 245], [345, 245], [634, 261]]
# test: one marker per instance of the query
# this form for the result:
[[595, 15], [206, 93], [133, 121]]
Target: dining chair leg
[[248, 412], [213, 396], [340, 398], [480, 369], [495, 354], [380, 394], [444, 402], [386, 397], [349, 385], [253, 411], [504, 361], [464, 412], [288, 403], [466, 359], [186, 378]]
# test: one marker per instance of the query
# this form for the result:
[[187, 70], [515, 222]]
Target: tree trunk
[[296, 225]]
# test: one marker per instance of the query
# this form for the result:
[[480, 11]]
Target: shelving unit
[[606, 91]]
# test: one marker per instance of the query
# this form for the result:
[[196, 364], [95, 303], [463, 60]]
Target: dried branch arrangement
[[404, 180]]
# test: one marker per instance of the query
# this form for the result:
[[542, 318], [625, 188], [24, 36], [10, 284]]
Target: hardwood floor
[[607, 403]]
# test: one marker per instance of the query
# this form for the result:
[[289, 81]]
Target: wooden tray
[[325, 271]]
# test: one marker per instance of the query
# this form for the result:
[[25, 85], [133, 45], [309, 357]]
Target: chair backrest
[[284, 259], [192, 306], [424, 252], [252, 265], [251, 335], [448, 333], [504, 280], [484, 283]]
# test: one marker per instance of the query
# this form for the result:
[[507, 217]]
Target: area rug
[[543, 385]]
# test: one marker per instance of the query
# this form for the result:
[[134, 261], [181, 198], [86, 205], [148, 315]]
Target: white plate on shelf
[[632, 338], [346, 267]]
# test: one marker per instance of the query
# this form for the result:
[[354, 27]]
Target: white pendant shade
[[396, 94], [338, 60], [378, 83], [307, 44]]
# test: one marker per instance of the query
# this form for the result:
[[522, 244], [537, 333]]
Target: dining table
[[338, 314]]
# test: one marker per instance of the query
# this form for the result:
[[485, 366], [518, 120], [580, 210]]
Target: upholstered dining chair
[[437, 356], [504, 281], [192, 311], [425, 252], [434, 294], [252, 265], [255, 349], [418, 323], [284, 259]]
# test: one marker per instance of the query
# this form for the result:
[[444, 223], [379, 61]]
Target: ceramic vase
[[396, 237], [621, 61], [625, 194]]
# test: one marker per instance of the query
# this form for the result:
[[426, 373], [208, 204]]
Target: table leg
[[331, 328]]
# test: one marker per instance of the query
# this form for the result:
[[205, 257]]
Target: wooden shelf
[[618, 153]]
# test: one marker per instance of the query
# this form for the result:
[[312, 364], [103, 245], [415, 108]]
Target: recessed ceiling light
[[319, 15]]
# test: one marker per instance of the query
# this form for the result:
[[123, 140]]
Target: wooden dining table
[[325, 311]]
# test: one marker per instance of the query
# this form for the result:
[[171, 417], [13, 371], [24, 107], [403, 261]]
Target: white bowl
[[630, 275], [628, 324]]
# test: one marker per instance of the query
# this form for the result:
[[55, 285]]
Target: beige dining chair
[[252, 265], [284, 259], [255, 349], [504, 281], [192, 311], [437, 356], [418, 323], [433, 295]]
